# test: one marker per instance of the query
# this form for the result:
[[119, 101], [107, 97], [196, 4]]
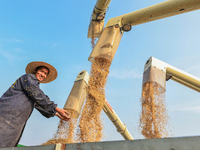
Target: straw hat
[[30, 68]]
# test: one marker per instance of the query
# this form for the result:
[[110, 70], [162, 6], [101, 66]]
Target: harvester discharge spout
[[158, 71], [107, 44], [77, 97], [97, 18]]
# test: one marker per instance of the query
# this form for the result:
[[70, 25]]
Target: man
[[17, 103]]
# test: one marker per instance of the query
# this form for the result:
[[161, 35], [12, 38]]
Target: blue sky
[[56, 32]]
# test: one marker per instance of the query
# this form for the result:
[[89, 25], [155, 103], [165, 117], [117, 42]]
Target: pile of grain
[[90, 126], [154, 118]]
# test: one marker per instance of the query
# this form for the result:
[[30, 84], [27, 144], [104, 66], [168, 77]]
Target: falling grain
[[90, 126], [154, 118], [65, 132]]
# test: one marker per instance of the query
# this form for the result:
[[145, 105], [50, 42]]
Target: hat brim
[[52, 75]]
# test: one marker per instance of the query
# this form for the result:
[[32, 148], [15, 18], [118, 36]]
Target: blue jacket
[[16, 106]]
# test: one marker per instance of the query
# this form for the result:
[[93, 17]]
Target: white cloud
[[54, 44], [6, 55], [125, 74], [189, 64], [195, 109], [195, 68], [11, 40], [191, 106], [11, 56], [18, 50], [17, 40]]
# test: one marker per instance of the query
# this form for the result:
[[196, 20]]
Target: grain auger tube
[[110, 38], [97, 18], [158, 71], [155, 12], [77, 97]]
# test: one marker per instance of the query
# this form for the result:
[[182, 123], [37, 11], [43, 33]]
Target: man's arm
[[42, 102]]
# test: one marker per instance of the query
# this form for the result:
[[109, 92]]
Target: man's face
[[41, 73]]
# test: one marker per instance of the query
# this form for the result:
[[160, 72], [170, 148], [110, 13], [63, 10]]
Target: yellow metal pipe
[[121, 128], [155, 12], [186, 84], [97, 19], [100, 8], [77, 95], [185, 79]]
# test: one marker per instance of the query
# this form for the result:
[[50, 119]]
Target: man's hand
[[62, 114]]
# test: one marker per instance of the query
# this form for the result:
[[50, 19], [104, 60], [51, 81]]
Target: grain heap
[[90, 126], [65, 132], [153, 119]]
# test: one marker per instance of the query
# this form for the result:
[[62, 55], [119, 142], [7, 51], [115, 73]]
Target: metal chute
[[158, 71]]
